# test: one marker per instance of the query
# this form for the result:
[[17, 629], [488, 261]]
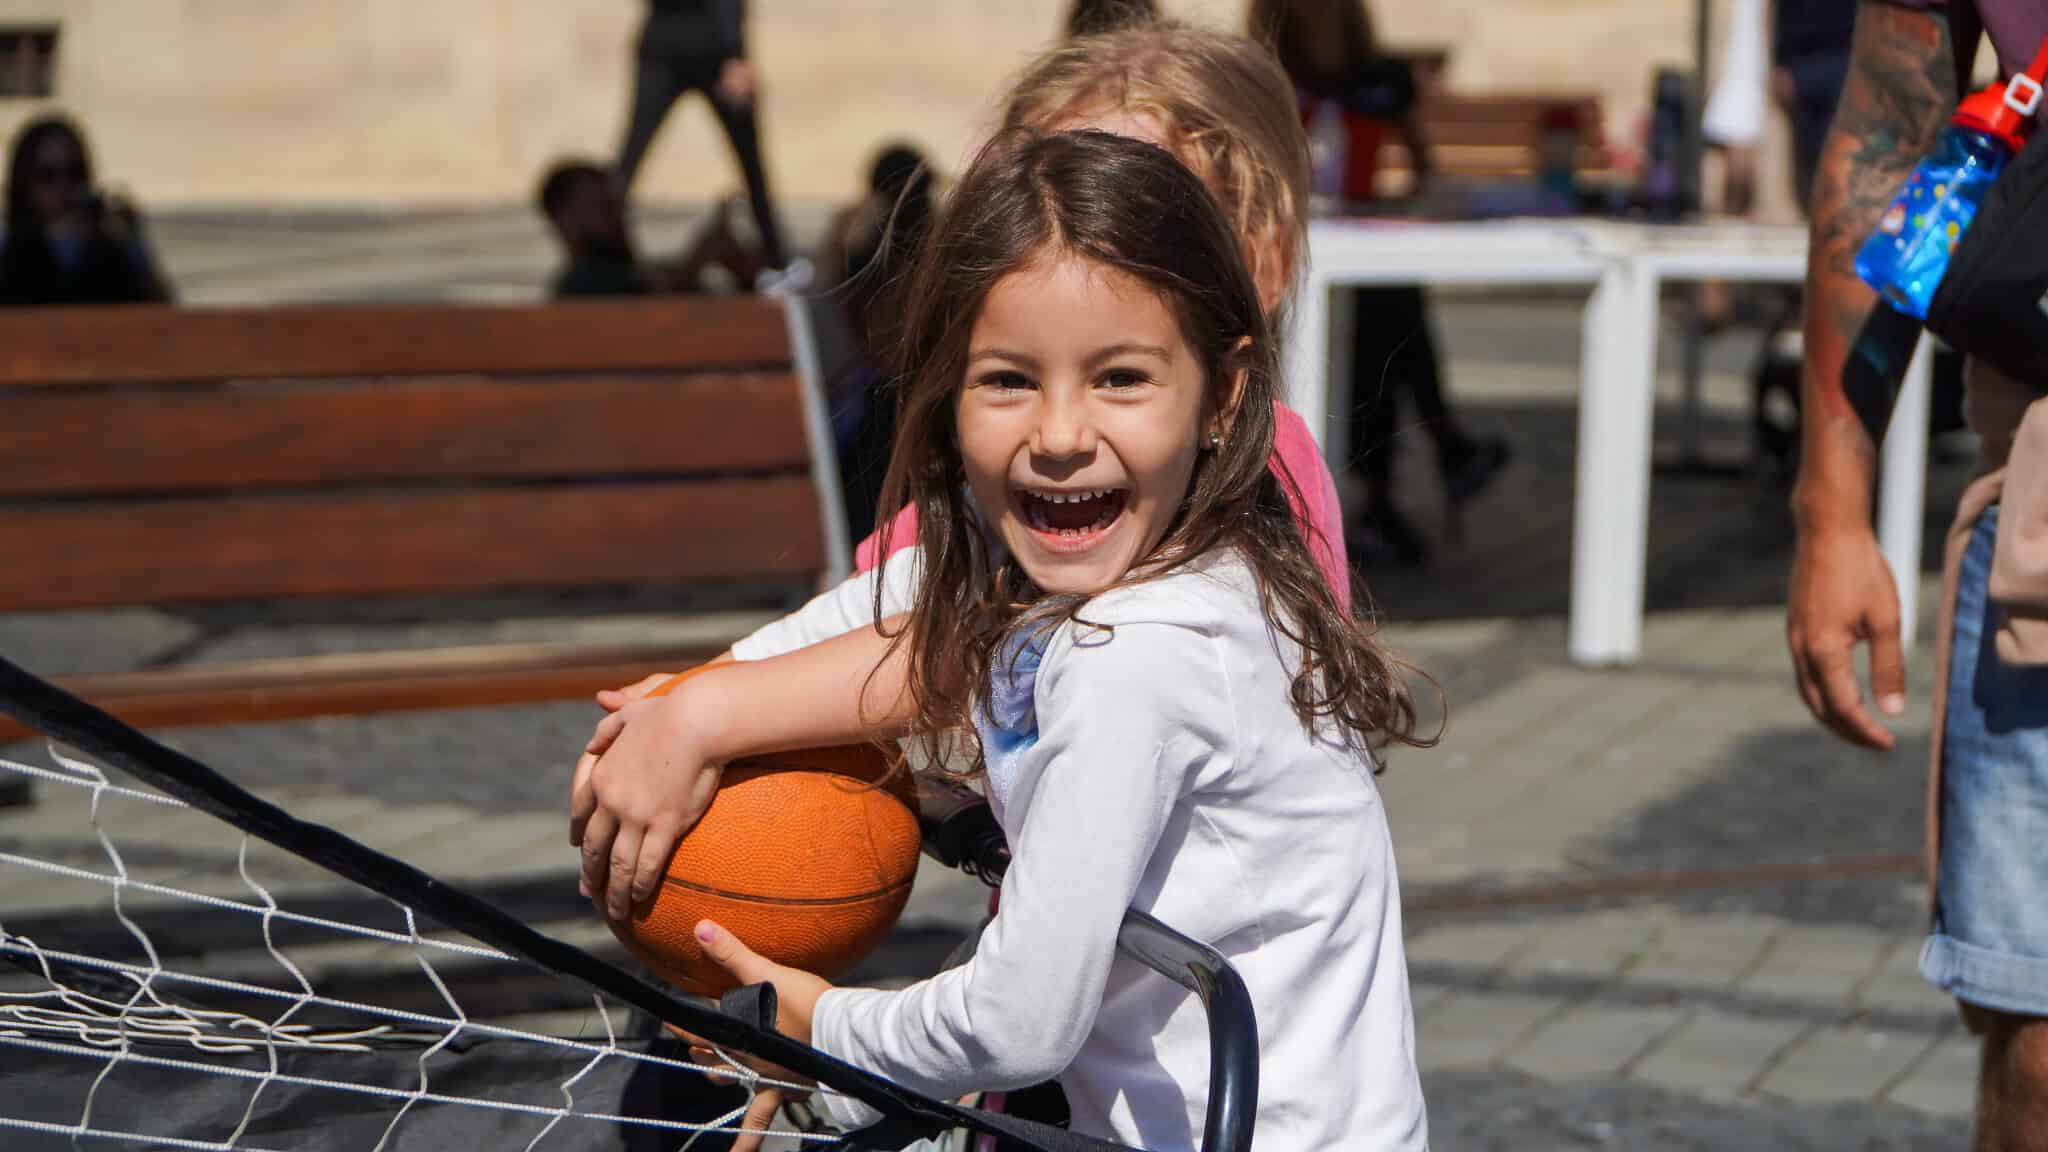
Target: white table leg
[[1611, 501], [1308, 359], [1902, 479]]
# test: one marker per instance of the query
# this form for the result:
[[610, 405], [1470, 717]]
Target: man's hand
[[1842, 595], [736, 81], [1900, 89]]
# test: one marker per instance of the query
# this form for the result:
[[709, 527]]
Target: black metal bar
[[1233, 1028], [968, 838]]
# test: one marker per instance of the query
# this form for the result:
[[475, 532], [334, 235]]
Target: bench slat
[[282, 546], [158, 345], [245, 437], [266, 691], [1508, 107]]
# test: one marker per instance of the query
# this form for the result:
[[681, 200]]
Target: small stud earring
[[1215, 441]]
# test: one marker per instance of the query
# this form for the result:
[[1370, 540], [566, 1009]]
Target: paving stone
[[1423, 995], [1703, 952], [72, 643], [1945, 1083], [29, 892], [1469, 947], [1592, 1041], [1817, 963], [1839, 1065], [1716, 1054], [521, 844], [412, 833], [1478, 1028], [1597, 946], [1897, 988]]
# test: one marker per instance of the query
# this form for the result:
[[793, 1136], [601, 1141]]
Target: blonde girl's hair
[[1226, 107]]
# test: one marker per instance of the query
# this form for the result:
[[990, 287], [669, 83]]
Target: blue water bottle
[[1905, 258]]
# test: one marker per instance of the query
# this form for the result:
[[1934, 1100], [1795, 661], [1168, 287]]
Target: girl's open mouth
[[1071, 519]]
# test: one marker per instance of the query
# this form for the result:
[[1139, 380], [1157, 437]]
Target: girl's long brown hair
[[1131, 206]]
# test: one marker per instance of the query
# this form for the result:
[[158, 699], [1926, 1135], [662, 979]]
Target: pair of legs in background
[[1989, 947], [661, 78], [1393, 351]]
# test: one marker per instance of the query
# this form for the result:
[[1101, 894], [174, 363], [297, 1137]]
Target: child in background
[[1118, 615]]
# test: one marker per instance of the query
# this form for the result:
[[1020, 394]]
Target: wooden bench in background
[[160, 456], [1486, 136]]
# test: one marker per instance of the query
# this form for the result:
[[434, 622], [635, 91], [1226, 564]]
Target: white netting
[[147, 998]]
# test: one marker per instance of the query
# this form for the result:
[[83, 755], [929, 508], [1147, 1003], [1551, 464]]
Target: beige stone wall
[[443, 102]]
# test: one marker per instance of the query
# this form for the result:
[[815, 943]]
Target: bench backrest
[[1492, 136], [157, 455]]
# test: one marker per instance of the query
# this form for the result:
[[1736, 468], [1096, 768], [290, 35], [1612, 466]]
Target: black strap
[[65, 717], [753, 1004]]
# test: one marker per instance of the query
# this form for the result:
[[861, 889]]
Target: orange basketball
[[806, 856]]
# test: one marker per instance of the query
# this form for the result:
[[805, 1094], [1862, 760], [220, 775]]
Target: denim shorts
[[1990, 941]]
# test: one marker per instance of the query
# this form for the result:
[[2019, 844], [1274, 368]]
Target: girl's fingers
[[760, 1114], [725, 950], [625, 859], [651, 869], [646, 686], [717, 1067], [613, 699], [597, 850], [582, 798], [608, 730]]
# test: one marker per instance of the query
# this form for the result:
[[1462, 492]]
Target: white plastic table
[[1623, 266]]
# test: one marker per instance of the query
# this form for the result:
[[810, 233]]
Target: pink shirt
[[1295, 454]]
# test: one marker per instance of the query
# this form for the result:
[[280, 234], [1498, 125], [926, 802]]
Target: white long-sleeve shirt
[[1168, 773], [837, 610]]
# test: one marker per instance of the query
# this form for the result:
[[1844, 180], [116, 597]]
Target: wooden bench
[[1495, 135], [1490, 135], [161, 456]]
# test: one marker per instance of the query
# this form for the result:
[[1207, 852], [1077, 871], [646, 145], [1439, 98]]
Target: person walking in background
[[67, 243], [863, 263], [1328, 50], [1810, 42], [1094, 17], [700, 45], [1989, 784]]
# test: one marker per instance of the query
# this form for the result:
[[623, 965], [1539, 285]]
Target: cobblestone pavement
[[1646, 908]]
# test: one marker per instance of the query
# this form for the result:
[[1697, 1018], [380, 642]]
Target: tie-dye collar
[[1014, 680]]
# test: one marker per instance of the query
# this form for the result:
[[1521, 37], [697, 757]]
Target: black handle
[[967, 838], [1233, 1028]]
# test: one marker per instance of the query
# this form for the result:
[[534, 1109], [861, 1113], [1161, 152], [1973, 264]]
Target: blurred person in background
[[1094, 17], [1790, 53], [867, 251], [700, 46], [583, 206], [67, 242], [1810, 42], [1347, 87]]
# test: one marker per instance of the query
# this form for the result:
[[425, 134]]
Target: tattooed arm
[[1900, 90]]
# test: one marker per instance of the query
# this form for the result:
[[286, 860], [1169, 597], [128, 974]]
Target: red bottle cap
[[2003, 111]]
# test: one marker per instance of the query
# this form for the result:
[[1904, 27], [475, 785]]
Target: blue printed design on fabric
[[1012, 713]]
